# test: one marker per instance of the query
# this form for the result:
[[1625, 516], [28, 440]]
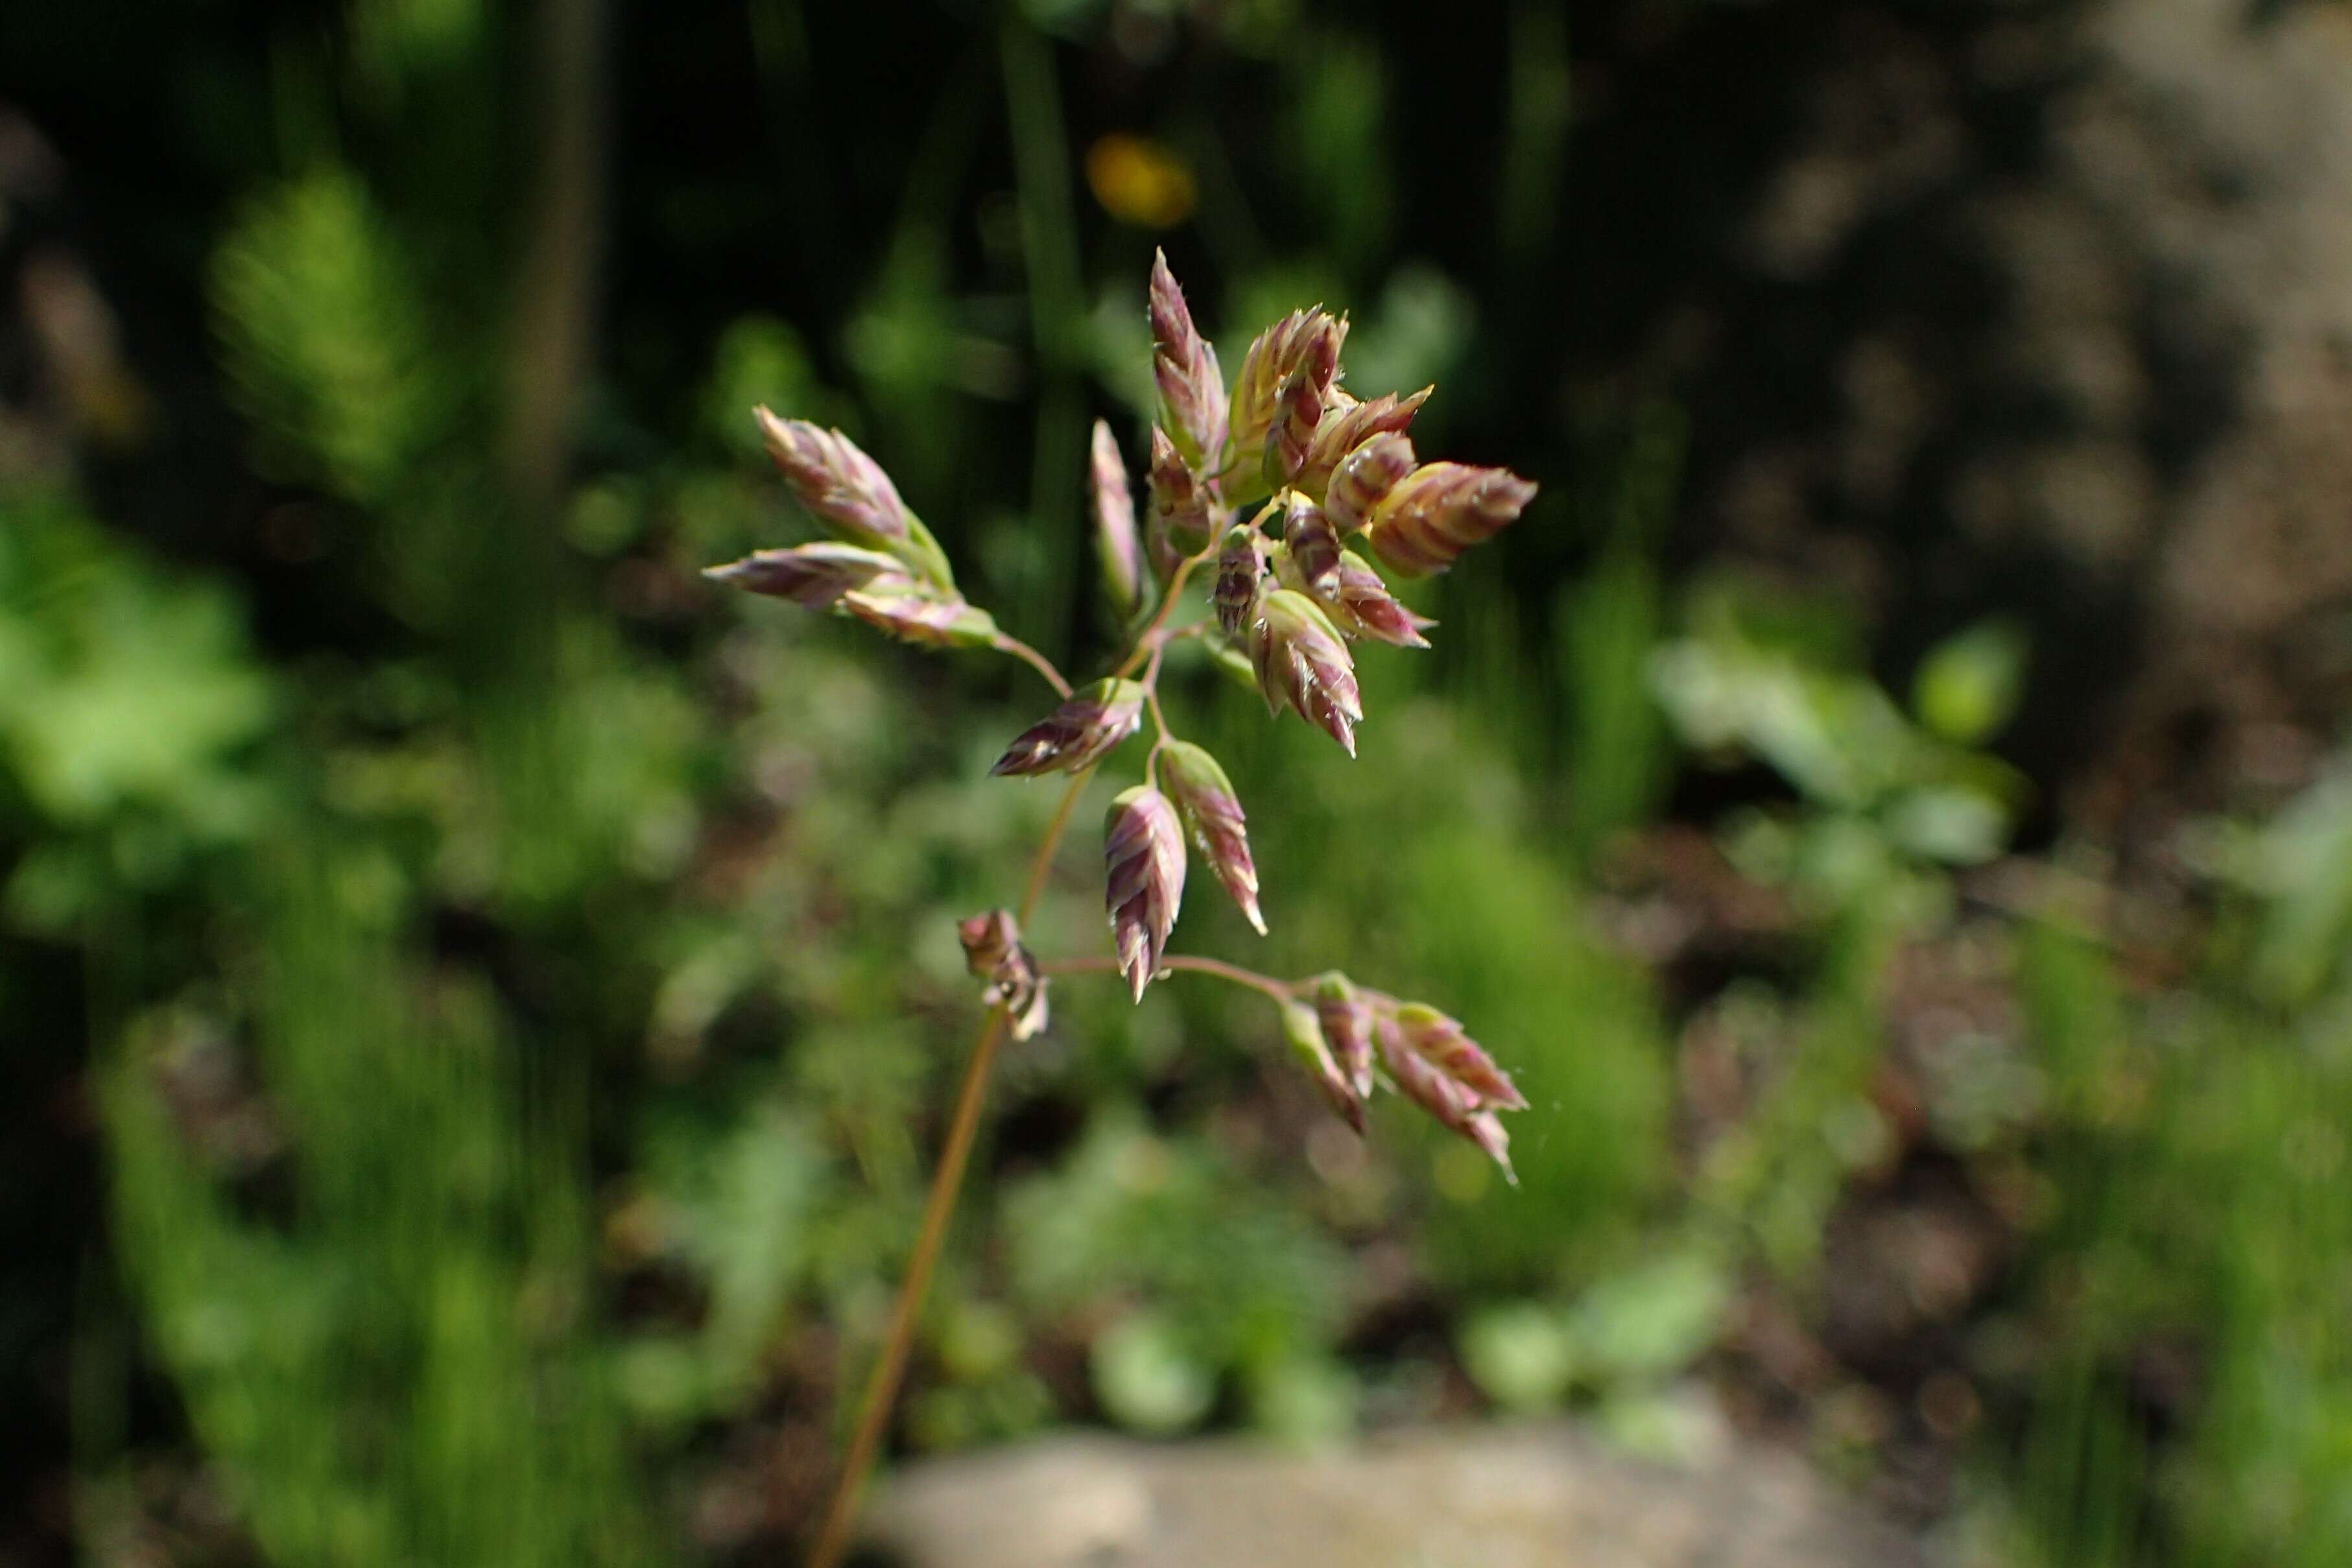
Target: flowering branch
[[1102, 964], [1004, 643], [1341, 488]]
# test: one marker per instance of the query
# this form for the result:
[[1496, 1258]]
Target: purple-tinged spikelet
[[1347, 1020], [1357, 603], [1081, 732], [1181, 524], [1347, 425], [1240, 567], [1143, 855], [1454, 1107], [1369, 472], [1444, 1044], [1363, 606], [1302, 663], [1298, 413], [1313, 546], [835, 478], [1304, 1034], [987, 939], [1211, 809], [992, 950], [1485, 1129], [1278, 397], [1116, 540], [816, 576], [848, 493], [1434, 513], [926, 620], [1185, 365]]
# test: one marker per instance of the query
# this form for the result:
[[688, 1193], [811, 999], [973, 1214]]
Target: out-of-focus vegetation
[[498, 999]]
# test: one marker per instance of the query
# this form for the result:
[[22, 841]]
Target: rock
[[1496, 1497], [2037, 310]]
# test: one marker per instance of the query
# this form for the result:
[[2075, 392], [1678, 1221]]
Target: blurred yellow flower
[[1140, 181]]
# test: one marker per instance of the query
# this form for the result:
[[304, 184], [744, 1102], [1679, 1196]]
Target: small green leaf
[[1967, 687], [1146, 1377], [1521, 1356], [1956, 826], [1655, 1320], [1303, 1400]]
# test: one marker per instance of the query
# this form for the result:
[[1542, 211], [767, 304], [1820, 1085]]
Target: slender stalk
[[1043, 863], [1155, 634], [1151, 693], [1148, 640], [1037, 661], [882, 1385], [1160, 735], [1280, 990]]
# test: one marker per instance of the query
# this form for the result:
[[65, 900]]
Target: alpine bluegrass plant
[[1335, 486]]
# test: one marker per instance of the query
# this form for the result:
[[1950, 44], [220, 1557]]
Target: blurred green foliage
[[131, 707], [324, 341], [360, 1359]]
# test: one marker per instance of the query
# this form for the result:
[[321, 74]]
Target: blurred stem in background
[[1615, 751], [805, 151], [1535, 149], [556, 297], [1049, 247]]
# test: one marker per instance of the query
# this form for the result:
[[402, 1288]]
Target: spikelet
[[1278, 396], [1313, 545], [1185, 365], [1347, 1019], [992, 950], [1454, 1108], [1304, 1034], [1211, 809], [1364, 476], [1079, 734], [1302, 664], [816, 576], [848, 493], [922, 618], [1347, 425], [1116, 540], [1444, 1044], [1181, 522], [1434, 513], [1143, 855], [988, 939], [1362, 606], [1240, 567]]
